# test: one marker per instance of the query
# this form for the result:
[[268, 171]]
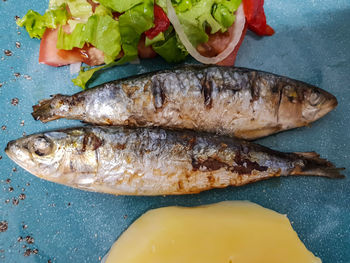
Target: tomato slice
[[256, 18], [52, 56], [230, 60], [161, 22], [218, 42], [143, 51]]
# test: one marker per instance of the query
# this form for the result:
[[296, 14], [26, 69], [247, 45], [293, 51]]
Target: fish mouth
[[330, 104], [12, 155], [8, 151]]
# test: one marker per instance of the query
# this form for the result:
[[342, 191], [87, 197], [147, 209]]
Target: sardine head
[[39, 154], [317, 103], [301, 104]]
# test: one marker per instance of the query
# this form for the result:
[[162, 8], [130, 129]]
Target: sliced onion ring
[[238, 28]]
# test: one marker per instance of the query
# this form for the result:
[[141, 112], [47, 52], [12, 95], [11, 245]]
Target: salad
[[105, 33]]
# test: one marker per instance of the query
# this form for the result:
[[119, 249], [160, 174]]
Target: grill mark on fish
[[157, 88], [91, 141], [209, 164], [246, 166], [129, 90], [254, 88], [207, 84], [280, 91]]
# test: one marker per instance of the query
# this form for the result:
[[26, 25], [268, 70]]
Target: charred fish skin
[[231, 101], [153, 161]]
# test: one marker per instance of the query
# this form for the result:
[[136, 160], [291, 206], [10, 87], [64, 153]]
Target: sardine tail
[[314, 165], [43, 111]]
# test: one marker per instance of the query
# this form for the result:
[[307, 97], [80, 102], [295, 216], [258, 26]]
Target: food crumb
[[27, 77], [27, 252], [19, 239], [25, 226], [8, 180], [24, 134], [11, 189], [29, 239], [17, 74], [15, 201], [49, 261], [3, 127], [22, 123], [14, 101], [16, 17], [3, 226], [8, 52], [35, 251], [7, 201], [27, 184], [14, 169], [69, 204], [18, 45], [125, 216], [1, 84], [22, 196]]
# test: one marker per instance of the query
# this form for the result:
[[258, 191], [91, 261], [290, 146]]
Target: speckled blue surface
[[311, 44]]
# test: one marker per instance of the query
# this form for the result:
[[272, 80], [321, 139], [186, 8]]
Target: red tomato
[[218, 42], [145, 52], [161, 22], [230, 60], [256, 19], [52, 56]]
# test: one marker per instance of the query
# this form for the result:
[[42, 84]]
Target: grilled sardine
[[225, 100], [153, 161]]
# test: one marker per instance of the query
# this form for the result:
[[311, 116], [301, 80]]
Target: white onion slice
[[238, 28], [74, 68]]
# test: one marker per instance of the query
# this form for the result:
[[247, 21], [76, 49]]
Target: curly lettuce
[[36, 24], [99, 27]]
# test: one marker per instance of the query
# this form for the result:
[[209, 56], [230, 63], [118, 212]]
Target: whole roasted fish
[[232, 101], [153, 161]]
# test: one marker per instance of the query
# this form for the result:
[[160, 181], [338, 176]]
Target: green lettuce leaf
[[197, 16], [36, 24], [120, 5], [131, 25], [100, 31], [86, 73], [157, 38], [103, 11], [78, 8], [171, 49]]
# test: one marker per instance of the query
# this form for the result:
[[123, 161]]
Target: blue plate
[[311, 43]]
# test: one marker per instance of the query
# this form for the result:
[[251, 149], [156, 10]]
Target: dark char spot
[[91, 142], [157, 88]]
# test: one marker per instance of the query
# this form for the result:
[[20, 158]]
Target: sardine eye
[[42, 146], [315, 98]]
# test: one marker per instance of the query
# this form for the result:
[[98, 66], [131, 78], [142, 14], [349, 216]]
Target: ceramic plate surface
[[311, 44]]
